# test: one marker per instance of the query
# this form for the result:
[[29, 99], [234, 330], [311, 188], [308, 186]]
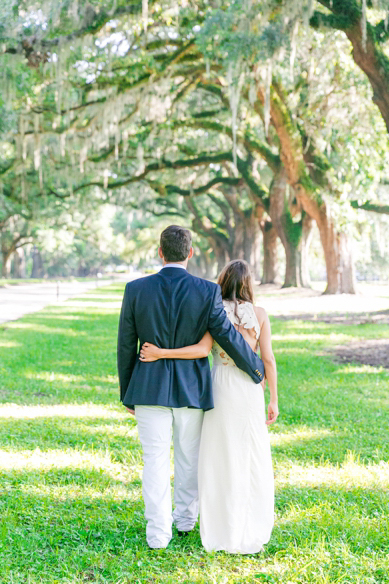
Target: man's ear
[[160, 253], [191, 253]]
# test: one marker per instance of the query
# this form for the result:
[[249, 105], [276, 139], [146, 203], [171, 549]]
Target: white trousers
[[155, 426]]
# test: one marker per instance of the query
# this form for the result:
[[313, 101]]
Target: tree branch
[[173, 189], [36, 49], [250, 142], [347, 16], [369, 206], [157, 166]]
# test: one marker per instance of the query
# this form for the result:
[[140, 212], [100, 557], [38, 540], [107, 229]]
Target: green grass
[[70, 462]]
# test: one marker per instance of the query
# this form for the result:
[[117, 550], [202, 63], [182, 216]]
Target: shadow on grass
[[74, 481], [70, 537], [342, 318], [75, 522], [75, 535]]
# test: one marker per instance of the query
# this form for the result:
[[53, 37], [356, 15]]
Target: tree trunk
[[19, 264], [243, 232], [270, 259], [207, 266], [328, 240], [238, 247], [304, 249], [217, 241], [256, 255], [288, 231], [203, 267], [221, 258], [250, 244], [339, 260], [292, 158], [347, 279], [6, 267], [37, 264], [292, 272], [249, 238]]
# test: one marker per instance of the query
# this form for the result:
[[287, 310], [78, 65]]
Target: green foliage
[[96, 104], [226, 35]]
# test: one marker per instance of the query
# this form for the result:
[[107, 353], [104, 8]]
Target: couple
[[222, 457]]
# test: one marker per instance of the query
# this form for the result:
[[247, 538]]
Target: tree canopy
[[248, 121]]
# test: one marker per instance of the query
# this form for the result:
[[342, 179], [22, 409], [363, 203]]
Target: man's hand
[[132, 412], [272, 413]]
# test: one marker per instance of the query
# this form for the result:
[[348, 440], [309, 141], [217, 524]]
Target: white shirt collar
[[174, 266]]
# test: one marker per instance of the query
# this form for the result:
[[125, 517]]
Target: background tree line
[[259, 125]]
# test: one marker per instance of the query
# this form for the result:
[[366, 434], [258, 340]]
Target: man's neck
[[175, 264]]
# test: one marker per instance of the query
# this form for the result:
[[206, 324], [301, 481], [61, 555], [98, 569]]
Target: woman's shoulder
[[260, 313]]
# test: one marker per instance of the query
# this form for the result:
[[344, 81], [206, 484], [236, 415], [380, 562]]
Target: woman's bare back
[[249, 335]]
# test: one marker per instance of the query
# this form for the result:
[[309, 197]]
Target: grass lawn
[[70, 461]]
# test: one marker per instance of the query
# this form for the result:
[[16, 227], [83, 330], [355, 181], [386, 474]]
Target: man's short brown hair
[[175, 243]]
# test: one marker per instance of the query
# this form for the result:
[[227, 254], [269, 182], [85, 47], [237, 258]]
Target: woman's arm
[[150, 352], [267, 356]]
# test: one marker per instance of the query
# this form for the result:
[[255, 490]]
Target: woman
[[236, 486]]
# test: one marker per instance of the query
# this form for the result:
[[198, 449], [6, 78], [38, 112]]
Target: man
[[173, 309]]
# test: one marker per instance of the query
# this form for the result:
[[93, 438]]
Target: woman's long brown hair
[[236, 283]]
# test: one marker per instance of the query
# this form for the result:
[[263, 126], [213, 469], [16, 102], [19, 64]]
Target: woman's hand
[[149, 353], [272, 413]]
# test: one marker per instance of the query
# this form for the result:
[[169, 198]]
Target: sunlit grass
[[350, 474], [41, 328], [70, 461], [297, 435], [64, 410], [9, 344]]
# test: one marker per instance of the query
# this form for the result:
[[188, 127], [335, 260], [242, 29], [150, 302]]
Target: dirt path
[[379, 317], [16, 301], [306, 304], [375, 353], [370, 306]]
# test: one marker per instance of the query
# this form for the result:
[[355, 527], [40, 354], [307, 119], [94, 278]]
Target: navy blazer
[[174, 309]]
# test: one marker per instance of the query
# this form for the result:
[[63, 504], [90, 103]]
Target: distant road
[[16, 301]]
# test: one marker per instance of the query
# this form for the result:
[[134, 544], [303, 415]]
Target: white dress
[[236, 486]]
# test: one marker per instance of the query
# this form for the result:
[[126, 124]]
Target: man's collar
[[174, 266]]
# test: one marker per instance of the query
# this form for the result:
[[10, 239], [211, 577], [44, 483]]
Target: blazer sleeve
[[127, 343], [224, 333]]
